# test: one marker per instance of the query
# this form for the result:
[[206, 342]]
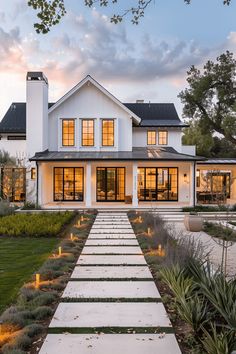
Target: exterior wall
[[174, 137], [46, 180], [89, 102], [16, 148], [189, 149]]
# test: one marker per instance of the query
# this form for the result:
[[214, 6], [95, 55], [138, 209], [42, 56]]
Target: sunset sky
[[148, 61]]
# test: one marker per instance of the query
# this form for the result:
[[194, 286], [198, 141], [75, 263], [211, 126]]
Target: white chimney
[[36, 113], [139, 101]]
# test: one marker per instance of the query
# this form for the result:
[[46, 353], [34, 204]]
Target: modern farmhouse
[[88, 149]]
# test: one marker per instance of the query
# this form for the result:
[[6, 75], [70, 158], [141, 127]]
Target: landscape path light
[[37, 280]]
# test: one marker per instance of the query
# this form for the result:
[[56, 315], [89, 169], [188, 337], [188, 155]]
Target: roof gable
[[89, 80]]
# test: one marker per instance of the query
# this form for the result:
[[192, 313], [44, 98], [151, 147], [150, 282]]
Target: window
[[158, 184], [16, 137], [68, 183], [198, 178], [151, 137], [87, 132], [13, 184], [110, 184], [163, 137], [68, 132], [107, 132], [33, 173]]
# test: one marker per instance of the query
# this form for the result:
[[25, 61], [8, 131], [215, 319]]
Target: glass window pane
[[107, 132], [87, 132], [68, 132], [151, 137]]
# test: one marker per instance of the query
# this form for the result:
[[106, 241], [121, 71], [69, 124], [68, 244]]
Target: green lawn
[[20, 257]]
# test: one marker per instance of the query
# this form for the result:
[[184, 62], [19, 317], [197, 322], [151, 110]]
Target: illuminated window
[[13, 184], [68, 132], [151, 137], [107, 132], [87, 132], [68, 183], [33, 173], [163, 137]]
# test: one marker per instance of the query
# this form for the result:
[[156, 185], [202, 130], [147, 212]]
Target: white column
[[88, 184], [191, 184], [135, 185]]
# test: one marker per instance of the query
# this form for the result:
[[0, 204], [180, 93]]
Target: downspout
[[194, 184], [37, 184]]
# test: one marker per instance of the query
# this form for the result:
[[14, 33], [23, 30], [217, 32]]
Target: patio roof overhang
[[137, 154]]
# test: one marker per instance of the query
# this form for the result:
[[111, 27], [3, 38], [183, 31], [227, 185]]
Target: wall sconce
[[185, 178]]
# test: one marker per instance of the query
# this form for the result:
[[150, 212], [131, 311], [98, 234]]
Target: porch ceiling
[[138, 154]]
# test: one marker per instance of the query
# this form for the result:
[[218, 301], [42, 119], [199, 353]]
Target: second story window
[[87, 132], [107, 132], [151, 137], [68, 132], [163, 137]]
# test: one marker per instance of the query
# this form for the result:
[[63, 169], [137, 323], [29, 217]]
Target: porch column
[[135, 185], [88, 185], [192, 184]]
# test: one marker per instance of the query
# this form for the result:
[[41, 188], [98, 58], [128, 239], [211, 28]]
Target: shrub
[[33, 330], [16, 317], [43, 299], [194, 311], [218, 343], [42, 312], [5, 208], [6, 350], [38, 225]]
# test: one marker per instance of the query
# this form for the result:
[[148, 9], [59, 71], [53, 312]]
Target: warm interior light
[[198, 173]]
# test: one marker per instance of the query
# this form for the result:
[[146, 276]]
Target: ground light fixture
[[37, 280], [59, 251]]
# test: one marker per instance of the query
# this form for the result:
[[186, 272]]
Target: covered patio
[[143, 178]]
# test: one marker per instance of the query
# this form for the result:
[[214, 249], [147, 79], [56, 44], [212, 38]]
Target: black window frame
[[63, 191], [82, 131], [105, 120], [152, 131], [156, 187], [108, 200], [62, 132], [12, 198]]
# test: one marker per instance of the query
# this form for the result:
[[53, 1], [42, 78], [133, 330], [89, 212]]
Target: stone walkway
[[111, 303]]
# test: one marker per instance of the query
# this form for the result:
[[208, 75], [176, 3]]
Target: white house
[[88, 149]]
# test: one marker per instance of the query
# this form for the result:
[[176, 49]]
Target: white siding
[[174, 137], [89, 102]]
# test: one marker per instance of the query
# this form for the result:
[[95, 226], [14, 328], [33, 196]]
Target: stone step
[[112, 231], [111, 250], [111, 290], [112, 272], [111, 260], [110, 236], [110, 314], [112, 242], [67, 343]]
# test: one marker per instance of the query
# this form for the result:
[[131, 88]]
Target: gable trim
[[89, 79]]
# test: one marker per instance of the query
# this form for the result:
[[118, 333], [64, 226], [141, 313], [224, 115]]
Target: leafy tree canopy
[[210, 99], [50, 12], [206, 144]]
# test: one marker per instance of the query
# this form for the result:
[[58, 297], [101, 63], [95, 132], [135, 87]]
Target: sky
[[148, 61]]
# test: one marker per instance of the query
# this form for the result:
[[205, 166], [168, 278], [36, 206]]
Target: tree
[[206, 144], [50, 12], [210, 99]]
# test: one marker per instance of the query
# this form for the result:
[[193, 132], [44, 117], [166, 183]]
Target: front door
[[110, 184]]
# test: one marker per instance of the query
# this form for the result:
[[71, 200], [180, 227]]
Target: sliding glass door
[[158, 184], [68, 183], [110, 184]]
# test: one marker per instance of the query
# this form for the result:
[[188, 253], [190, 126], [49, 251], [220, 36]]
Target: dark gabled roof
[[156, 114], [138, 154], [151, 114], [14, 120]]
